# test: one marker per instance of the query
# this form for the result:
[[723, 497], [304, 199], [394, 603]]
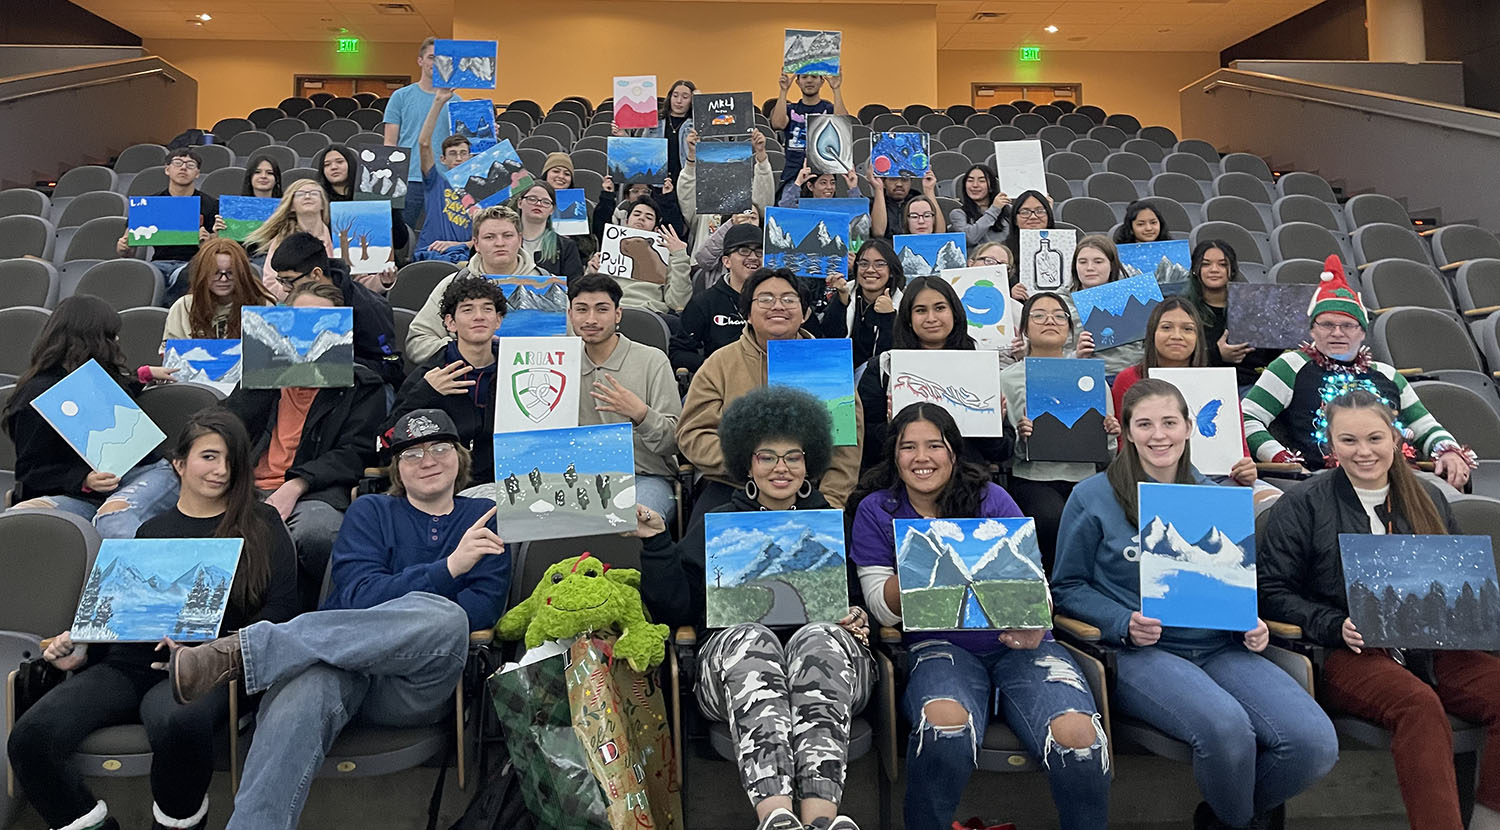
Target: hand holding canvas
[[758, 144], [1232, 353], [101, 482], [1257, 638], [1144, 630], [785, 82], [1352, 638], [857, 622], [692, 146], [171, 646], [1085, 344], [1243, 472], [64, 654], [1022, 639], [648, 523]]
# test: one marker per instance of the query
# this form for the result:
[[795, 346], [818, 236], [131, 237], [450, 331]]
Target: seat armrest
[[1284, 630], [1415, 370], [1428, 232], [1485, 311], [1278, 467], [685, 636], [483, 637], [1452, 266], [1078, 628], [890, 635]]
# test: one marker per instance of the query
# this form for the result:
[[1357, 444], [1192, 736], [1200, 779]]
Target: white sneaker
[[781, 819]]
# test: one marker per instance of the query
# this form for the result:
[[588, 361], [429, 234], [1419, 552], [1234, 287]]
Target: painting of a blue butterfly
[[1217, 440]]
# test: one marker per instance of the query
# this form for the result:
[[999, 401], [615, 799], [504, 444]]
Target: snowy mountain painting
[[807, 52], [775, 567], [1430, 592], [308, 347], [464, 64], [163, 220], [925, 254], [474, 120], [632, 160], [570, 216], [813, 244], [1167, 261], [488, 178], [99, 421], [971, 573], [565, 483], [142, 590], [1197, 547], [857, 209], [213, 363], [1116, 312], [534, 306]]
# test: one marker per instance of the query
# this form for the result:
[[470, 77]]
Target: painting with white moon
[[91, 411]]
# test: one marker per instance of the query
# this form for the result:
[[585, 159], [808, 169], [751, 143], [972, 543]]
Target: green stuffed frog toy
[[582, 595]]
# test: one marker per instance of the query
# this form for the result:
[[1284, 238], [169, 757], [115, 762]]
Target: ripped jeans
[[147, 490], [1035, 686]]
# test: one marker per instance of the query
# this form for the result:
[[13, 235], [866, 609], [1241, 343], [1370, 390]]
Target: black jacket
[[711, 321], [1299, 569], [338, 439], [472, 413], [375, 344], [872, 332], [567, 263], [671, 212], [46, 465], [875, 401]]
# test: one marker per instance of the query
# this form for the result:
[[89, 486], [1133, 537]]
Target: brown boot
[[199, 670]]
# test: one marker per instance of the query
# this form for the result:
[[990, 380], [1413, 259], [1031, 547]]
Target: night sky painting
[[1434, 592], [1116, 312], [1168, 261], [725, 169], [1269, 316], [474, 120], [1066, 400], [634, 160]]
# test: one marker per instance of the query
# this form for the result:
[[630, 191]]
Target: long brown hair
[[1126, 472], [248, 289], [1150, 359], [1408, 497], [1103, 245], [239, 520], [80, 329]]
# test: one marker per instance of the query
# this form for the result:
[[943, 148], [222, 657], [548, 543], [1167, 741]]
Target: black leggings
[[1043, 501], [109, 694]]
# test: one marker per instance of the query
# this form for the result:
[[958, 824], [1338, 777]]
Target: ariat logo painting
[[538, 391]]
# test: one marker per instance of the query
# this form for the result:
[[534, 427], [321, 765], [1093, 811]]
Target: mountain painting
[[91, 411], [993, 314], [856, 208], [900, 155], [1432, 592], [635, 102], [775, 567], [1269, 316], [163, 220], [362, 234], [296, 346], [464, 64], [243, 215], [723, 114], [570, 214], [1046, 259], [927, 254], [965, 383], [1197, 546], [1117, 312], [725, 169], [960, 574], [823, 368], [810, 243], [474, 120], [534, 306], [1066, 400], [830, 144], [536, 383], [633, 160], [382, 174], [811, 52], [214, 363], [561, 483], [1167, 261], [634, 254], [488, 178], [1217, 441], [141, 590]]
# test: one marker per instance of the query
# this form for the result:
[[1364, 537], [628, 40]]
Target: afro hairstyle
[[773, 412]]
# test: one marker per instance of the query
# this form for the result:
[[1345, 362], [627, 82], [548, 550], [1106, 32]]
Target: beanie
[[562, 160]]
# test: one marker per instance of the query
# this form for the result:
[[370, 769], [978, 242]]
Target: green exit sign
[[348, 44], [1031, 53]]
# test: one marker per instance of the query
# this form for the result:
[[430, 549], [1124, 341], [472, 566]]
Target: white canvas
[[1018, 164], [1047, 259], [994, 315], [967, 384], [618, 262], [1218, 433], [536, 384]]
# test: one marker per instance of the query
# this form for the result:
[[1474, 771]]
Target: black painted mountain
[[496, 180], [1128, 326], [654, 175], [1051, 441]]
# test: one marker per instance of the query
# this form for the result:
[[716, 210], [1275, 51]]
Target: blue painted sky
[[251, 208], [568, 198], [168, 213], [605, 448], [637, 154], [1065, 386], [212, 356], [82, 403], [371, 217], [458, 49], [169, 558], [822, 367], [733, 539], [852, 207], [1112, 296], [302, 325], [479, 165], [971, 539], [722, 152], [798, 222], [1144, 255], [1411, 563], [1193, 509], [478, 116], [927, 245]]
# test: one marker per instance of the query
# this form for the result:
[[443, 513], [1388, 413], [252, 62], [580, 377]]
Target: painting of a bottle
[[1049, 266]]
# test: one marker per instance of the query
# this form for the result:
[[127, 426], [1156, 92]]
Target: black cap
[[418, 427], [744, 235]]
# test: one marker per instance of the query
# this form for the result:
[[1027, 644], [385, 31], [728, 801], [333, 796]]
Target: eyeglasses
[[184, 164], [289, 282], [1032, 213], [225, 275], [747, 251], [770, 301], [987, 260], [437, 451], [1342, 328], [873, 265], [1048, 316], [793, 458], [539, 201], [913, 216]]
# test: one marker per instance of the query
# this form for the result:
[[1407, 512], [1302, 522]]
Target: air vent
[[395, 8], [988, 17]]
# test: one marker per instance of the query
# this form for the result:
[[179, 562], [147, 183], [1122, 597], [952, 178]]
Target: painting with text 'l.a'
[[1197, 545], [213, 363], [163, 220], [725, 170], [1167, 261], [1424, 592], [562, 483], [966, 383], [635, 102], [811, 52], [534, 306], [297, 346], [636, 160], [1212, 394], [925, 254], [993, 314], [464, 64], [823, 368], [141, 590], [971, 574], [474, 120], [92, 412], [243, 215], [382, 174], [1066, 403], [775, 567], [536, 383], [1269, 316], [570, 216], [723, 114], [362, 235], [810, 243], [900, 155], [489, 178], [1116, 313]]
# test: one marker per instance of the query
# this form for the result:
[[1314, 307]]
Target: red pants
[[1373, 686]]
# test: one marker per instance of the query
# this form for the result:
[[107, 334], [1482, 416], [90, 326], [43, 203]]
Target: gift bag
[[620, 722]]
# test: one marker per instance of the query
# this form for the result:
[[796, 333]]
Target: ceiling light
[[193, 21], [1051, 30], [205, 17]]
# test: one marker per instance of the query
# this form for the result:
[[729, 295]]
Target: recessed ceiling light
[[205, 17], [1051, 30]]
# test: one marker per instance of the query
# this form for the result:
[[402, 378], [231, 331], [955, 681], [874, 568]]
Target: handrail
[[86, 84], [1308, 99]]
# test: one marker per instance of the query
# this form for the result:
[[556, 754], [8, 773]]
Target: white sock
[[1484, 819], [89, 819], [164, 820]]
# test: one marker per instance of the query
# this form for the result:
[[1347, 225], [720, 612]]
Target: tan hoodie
[[427, 336]]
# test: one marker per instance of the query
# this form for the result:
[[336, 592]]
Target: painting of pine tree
[[1431, 592], [141, 590]]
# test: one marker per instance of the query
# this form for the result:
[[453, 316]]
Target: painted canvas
[[286, 346], [141, 590], [1167, 261], [535, 306], [811, 52], [163, 220], [242, 215], [98, 420], [824, 369], [633, 253], [857, 209], [382, 174], [464, 64], [967, 384], [561, 483], [474, 120], [811, 243], [723, 114], [635, 102], [362, 234], [489, 177], [213, 363], [993, 314], [1218, 437], [536, 385], [830, 144], [1198, 555], [1436, 592], [1046, 259], [570, 216], [1269, 316], [925, 254], [1066, 402], [960, 574], [725, 169], [634, 160], [1019, 167], [1116, 312], [775, 567], [900, 155]]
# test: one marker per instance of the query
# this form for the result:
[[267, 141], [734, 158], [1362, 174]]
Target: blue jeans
[[392, 665], [1036, 687], [1258, 738], [411, 209], [146, 490]]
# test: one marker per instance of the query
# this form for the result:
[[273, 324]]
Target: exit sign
[[351, 44], [1031, 53]]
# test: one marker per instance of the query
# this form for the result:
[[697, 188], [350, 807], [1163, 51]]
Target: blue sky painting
[[775, 567], [214, 363], [475, 120], [303, 325], [536, 306], [811, 243], [899, 155], [561, 483], [1117, 312], [464, 64], [925, 254], [1167, 261], [811, 52], [971, 573], [637, 159], [303, 346], [243, 214], [598, 448], [824, 368], [570, 216], [362, 234], [1065, 387], [1197, 547], [163, 220], [1410, 591], [487, 178], [141, 590], [98, 420]]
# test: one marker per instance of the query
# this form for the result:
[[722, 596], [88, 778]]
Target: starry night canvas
[[1116, 312], [723, 114], [561, 483], [634, 160], [1430, 592], [1066, 402], [297, 346], [474, 120], [141, 590], [823, 368], [1269, 316], [489, 177], [725, 169], [971, 574], [90, 410], [1197, 545], [899, 155], [464, 64], [811, 243], [775, 567], [1168, 261], [925, 254]]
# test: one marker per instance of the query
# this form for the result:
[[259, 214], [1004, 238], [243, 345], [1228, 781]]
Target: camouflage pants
[[788, 706]]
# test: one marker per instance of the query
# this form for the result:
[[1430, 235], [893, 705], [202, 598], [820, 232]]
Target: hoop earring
[[805, 490], [751, 491]]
